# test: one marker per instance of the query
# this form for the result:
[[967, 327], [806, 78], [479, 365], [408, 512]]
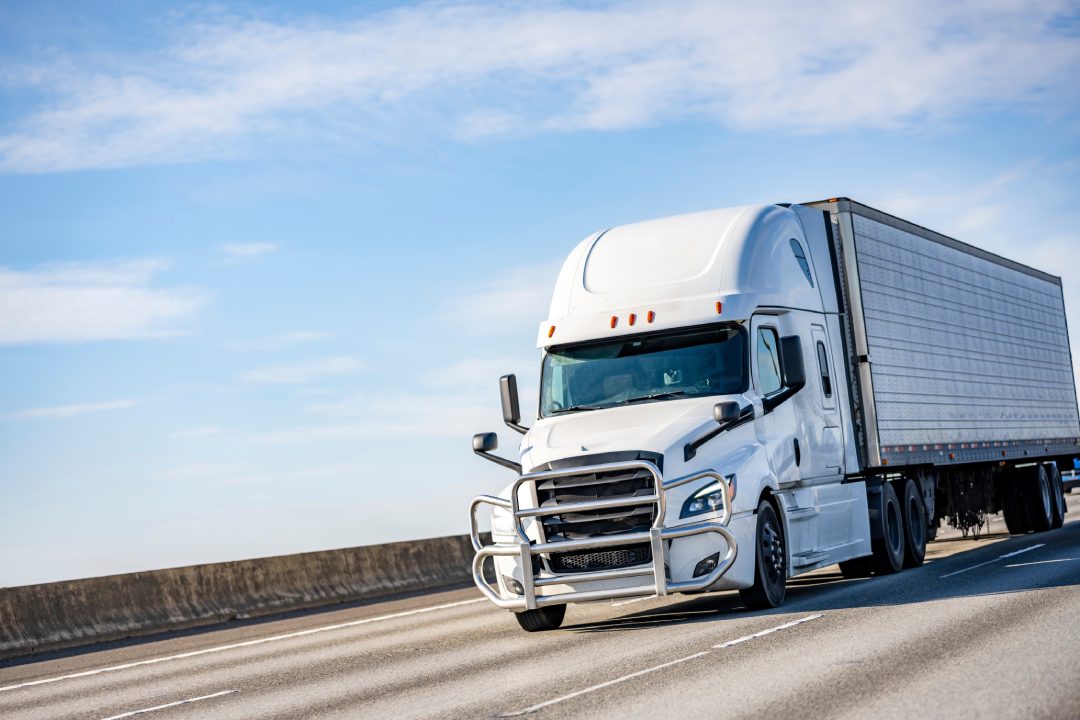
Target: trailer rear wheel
[[770, 562], [1057, 495], [541, 619], [889, 548], [1035, 487], [1012, 502], [914, 525]]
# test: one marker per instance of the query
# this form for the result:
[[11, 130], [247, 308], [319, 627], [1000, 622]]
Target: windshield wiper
[[656, 396], [575, 408]]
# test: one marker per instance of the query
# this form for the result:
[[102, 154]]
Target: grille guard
[[526, 549]]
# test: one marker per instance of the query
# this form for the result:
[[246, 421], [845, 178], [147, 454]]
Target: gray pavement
[[987, 628]]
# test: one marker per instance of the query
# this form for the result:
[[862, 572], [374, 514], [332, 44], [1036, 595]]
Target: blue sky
[[262, 264]]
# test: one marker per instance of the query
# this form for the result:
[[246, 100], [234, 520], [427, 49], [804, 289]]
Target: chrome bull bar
[[526, 549]]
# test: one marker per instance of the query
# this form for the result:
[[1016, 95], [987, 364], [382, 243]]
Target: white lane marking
[[602, 685], [1042, 562], [169, 705], [785, 626], [162, 707], [246, 643], [654, 668], [1000, 557]]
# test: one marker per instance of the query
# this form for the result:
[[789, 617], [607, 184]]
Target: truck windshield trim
[[677, 364]]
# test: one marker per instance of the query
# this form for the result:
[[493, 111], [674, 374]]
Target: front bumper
[[654, 580]]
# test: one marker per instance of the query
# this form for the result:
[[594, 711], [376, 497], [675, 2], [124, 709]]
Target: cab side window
[[823, 366], [768, 361]]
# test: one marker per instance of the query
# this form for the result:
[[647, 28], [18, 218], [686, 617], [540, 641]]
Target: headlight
[[708, 499]]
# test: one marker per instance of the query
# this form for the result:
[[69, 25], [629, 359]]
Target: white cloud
[[199, 432], [514, 302], [281, 340], [83, 301], [248, 251], [221, 82], [302, 372], [66, 411]]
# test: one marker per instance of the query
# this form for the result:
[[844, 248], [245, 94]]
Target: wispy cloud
[[90, 301], [516, 300], [222, 82], [248, 251], [302, 372], [281, 340], [66, 411], [199, 432]]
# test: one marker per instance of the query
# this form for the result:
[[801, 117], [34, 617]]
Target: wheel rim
[[772, 552]]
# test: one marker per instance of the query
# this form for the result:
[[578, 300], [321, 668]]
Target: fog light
[[707, 565], [513, 585]]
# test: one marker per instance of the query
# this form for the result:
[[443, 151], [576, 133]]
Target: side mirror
[[511, 408], [485, 442], [792, 370], [726, 412]]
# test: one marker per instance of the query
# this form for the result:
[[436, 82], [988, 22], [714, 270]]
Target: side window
[[800, 257], [823, 367], [768, 361]]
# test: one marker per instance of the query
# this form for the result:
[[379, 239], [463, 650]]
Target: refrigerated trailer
[[732, 398]]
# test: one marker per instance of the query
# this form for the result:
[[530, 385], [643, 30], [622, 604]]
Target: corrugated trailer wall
[[969, 352]]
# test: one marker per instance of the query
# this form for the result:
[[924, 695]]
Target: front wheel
[[770, 570], [541, 619]]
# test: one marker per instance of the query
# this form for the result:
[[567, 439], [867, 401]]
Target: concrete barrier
[[54, 616]]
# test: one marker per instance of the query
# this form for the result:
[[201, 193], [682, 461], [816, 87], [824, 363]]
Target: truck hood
[[653, 427]]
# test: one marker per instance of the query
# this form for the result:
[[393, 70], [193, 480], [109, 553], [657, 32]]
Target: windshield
[[644, 368]]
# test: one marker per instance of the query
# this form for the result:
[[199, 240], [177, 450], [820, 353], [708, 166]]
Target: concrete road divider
[[54, 616]]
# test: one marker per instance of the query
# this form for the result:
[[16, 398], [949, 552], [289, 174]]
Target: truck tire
[[541, 619], [1035, 488], [770, 562], [889, 548], [1057, 496], [914, 524], [1012, 503]]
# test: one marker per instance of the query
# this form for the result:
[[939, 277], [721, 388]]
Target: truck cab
[[693, 430]]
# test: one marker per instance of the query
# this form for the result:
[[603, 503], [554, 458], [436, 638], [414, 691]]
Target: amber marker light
[[614, 321], [650, 316], [719, 307], [551, 331], [632, 318]]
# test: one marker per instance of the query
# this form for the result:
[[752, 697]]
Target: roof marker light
[[719, 307], [551, 331], [614, 321], [650, 316], [632, 318]]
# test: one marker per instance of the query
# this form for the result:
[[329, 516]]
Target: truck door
[[825, 453], [776, 429]]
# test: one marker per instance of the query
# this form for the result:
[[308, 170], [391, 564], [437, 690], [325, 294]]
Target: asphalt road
[[985, 629]]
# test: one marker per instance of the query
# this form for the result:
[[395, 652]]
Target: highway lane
[[987, 628]]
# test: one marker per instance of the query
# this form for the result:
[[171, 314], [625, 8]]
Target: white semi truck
[[732, 398]]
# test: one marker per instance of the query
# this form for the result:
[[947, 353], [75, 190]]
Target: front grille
[[598, 523], [605, 560]]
